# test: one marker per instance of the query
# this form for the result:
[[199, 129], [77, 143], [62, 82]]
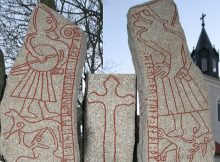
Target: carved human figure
[[43, 60], [171, 66], [42, 91]]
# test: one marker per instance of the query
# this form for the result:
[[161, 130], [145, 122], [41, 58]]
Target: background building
[[206, 58]]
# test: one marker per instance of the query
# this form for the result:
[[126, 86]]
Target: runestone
[[174, 115], [38, 111], [110, 118]]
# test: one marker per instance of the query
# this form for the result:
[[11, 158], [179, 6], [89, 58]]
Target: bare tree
[[88, 14]]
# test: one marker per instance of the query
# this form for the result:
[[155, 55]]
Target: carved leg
[[178, 131], [203, 129], [45, 112], [25, 111]]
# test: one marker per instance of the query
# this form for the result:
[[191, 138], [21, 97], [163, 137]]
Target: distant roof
[[204, 45], [203, 41]]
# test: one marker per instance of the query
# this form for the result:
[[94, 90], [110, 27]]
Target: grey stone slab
[[38, 111], [110, 118], [174, 120]]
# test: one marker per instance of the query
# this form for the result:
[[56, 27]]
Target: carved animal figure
[[182, 155], [24, 127], [41, 148]]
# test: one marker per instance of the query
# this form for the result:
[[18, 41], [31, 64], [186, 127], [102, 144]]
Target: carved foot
[[174, 133], [161, 157], [27, 114], [52, 116], [200, 131]]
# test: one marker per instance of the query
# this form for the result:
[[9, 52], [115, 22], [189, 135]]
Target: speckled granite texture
[[174, 121], [110, 118], [38, 111]]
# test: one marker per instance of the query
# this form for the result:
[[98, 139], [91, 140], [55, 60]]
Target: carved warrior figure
[[38, 110], [174, 124]]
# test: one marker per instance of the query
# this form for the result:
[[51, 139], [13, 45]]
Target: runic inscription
[[38, 109], [174, 121], [110, 118]]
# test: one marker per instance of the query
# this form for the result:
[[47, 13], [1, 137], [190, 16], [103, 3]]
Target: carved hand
[[57, 71], [182, 73], [162, 69]]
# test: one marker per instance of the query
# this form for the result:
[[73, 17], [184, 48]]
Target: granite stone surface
[[110, 118], [38, 111], [174, 120]]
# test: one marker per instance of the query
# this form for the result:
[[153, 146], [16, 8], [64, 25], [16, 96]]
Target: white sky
[[117, 56]]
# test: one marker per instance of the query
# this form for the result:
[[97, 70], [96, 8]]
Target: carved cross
[[113, 102], [203, 18]]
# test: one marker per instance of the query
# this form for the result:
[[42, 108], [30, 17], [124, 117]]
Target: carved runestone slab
[[174, 121], [110, 118], [38, 111]]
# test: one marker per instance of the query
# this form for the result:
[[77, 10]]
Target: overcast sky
[[117, 56]]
